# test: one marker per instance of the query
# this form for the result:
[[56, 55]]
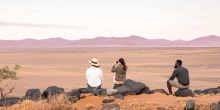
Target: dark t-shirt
[[182, 75]]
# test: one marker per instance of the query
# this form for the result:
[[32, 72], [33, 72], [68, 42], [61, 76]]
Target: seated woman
[[120, 70], [94, 75]]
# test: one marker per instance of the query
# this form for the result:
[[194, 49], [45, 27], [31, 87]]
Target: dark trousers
[[90, 89], [117, 85]]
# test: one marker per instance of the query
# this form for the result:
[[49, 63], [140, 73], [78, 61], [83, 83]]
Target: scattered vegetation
[[55, 103], [7, 75]]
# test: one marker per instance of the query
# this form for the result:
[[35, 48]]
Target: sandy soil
[[146, 101], [66, 67]]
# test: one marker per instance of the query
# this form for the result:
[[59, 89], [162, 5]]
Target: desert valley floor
[[66, 67]]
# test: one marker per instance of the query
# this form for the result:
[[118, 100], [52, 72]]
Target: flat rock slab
[[159, 91]]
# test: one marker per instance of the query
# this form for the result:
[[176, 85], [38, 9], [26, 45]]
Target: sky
[[78, 19]]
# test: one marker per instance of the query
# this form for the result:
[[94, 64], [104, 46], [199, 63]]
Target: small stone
[[213, 106], [90, 106], [190, 105], [108, 99], [111, 107]]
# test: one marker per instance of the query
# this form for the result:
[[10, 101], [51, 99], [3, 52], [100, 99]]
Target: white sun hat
[[94, 62]]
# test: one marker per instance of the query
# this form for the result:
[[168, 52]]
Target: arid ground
[[66, 67]]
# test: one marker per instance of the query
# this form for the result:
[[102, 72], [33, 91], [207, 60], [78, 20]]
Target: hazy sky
[[76, 19]]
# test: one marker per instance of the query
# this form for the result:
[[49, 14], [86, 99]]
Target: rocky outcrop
[[32, 94], [99, 92], [125, 90], [9, 101], [52, 91], [73, 96], [184, 93], [208, 91], [137, 87]]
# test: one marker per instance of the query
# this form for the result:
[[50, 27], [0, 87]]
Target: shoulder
[[89, 69], [184, 68], [99, 69]]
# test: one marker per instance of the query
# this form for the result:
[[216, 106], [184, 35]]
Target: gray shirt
[[182, 75]]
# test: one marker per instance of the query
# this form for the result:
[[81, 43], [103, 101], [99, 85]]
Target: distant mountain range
[[131, 41]]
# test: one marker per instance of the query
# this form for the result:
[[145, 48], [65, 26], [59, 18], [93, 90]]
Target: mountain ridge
[[129, 41]]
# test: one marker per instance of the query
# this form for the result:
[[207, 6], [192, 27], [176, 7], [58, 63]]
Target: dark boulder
[[32, 94], [146, 90], [125, 90], [137, 87], [159, 91], [184, 93], [190, 105], [111, 107], [74, 93], [99, 92], [52, 91], [9, 101], [83, 90]]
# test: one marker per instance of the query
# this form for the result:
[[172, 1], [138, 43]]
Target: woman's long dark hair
[[122, 61]]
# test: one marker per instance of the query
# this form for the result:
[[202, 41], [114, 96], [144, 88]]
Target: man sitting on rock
[[94, 76], [182, 75]]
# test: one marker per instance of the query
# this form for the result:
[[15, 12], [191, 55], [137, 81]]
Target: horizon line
[[103, 37]]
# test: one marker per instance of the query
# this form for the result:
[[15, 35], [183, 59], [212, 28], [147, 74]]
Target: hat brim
[[94, 64]]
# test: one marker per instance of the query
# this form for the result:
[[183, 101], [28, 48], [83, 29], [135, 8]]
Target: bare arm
[[113, 68], [172, 77]]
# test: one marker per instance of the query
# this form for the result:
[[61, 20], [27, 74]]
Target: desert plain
[[65, 67]]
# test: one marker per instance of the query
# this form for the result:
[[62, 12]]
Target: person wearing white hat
[[94, 74]]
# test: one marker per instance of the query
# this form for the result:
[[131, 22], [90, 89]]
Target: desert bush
[[8, 74]]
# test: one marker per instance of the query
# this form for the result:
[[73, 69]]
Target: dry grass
[[139, 102], [55, 103]]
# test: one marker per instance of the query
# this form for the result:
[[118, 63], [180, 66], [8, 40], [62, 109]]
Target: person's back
[[120, 70], [120, 73], [182, 75], [94, 74]]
